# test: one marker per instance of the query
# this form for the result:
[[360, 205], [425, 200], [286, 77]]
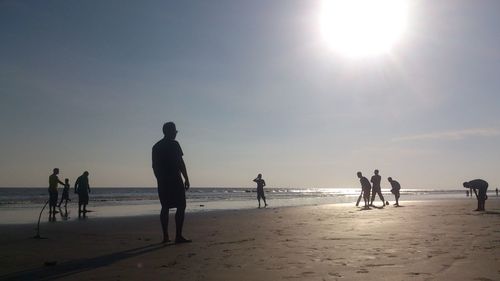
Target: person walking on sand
[[480, 188], [53, 194], [260, 189], [366, 187], [82, 188], [168, 166], [376, 188], [395, 190], [65, 194]]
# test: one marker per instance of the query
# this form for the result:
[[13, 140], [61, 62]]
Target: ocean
[[23, 205]]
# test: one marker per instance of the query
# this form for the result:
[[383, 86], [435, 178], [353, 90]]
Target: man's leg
[[179, 223], [373, 196], [164, 223], [379, 191], [258, 199]]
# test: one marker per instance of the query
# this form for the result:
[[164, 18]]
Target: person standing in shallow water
[[82, 188], [260, 189], [480, 188], [169, 168], [376, 188], [395, 190], [53, 194], [366, 187], [65, 194]]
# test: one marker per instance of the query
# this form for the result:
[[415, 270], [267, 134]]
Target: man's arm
[[184, 174], [76, 186]]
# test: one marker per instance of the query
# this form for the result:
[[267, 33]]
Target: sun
[[360, 28]]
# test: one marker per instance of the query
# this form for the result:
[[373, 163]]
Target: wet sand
[[423, 240]]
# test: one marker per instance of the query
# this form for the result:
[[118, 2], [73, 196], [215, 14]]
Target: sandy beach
[[423, 240]]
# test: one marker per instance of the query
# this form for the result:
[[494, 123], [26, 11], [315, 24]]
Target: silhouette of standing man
[[376, 188], [53, 194], [481, 186], [168, 166], [82, 187], [260, 189], [366, 187]]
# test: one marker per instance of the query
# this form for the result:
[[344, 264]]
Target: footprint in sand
[[362, 270]]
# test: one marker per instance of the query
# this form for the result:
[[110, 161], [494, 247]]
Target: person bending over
[[479, 187], [366, 187], [395, 190]]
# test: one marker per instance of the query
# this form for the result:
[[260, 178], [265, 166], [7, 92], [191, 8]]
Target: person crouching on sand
[[366, 187], [480, 187], [260, 189], [395, 190]]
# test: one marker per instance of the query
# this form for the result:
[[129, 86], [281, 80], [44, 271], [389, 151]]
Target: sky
[[252, 87]]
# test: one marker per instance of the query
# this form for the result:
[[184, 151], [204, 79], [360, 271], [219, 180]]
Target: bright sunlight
[[360, 28]]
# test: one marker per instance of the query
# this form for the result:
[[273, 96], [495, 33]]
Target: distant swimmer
[[82, 188], [496, 190], [480, 187], [376, 188], [395, 189], [65, 194], [53, 194], [260, 189], [366, 187]]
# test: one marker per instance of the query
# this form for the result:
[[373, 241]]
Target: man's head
[[66, 180], [389, 179], [376, 172], [466, 184], [86, 173], [169, 130], [56, 171], [360, 175], [259, 176]]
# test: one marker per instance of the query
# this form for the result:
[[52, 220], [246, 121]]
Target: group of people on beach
[[82, 188], [173, 182], [375, 189]]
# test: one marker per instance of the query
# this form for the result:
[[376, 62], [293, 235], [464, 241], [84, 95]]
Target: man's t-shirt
[[376, 181], [260, 183], [53, 182], [395, 186], [479, 184], [365, 184], [82, 184], [167, 156]]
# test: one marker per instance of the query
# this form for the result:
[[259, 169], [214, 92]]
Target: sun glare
[[359, 28]]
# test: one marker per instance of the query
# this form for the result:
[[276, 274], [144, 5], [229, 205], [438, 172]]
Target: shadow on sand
[[54, 271]]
